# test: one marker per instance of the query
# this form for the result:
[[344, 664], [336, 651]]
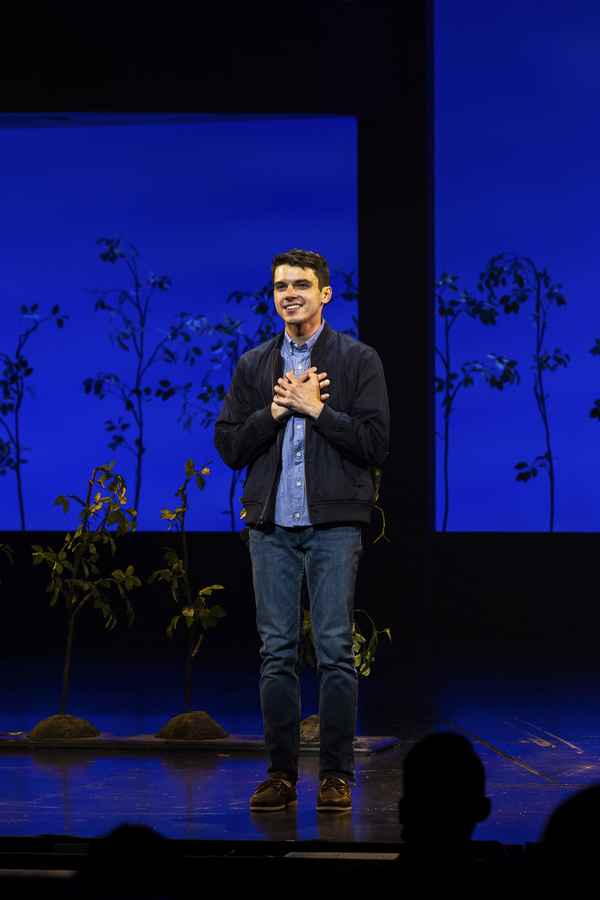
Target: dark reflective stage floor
[[531, 710]]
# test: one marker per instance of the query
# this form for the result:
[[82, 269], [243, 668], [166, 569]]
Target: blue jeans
[[328, 557]]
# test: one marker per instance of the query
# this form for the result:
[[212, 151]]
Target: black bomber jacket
[[343, 446]]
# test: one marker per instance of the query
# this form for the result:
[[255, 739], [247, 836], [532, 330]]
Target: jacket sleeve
[[242, 432], [362, 433]]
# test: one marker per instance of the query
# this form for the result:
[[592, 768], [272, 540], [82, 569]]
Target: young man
[[307, 413]]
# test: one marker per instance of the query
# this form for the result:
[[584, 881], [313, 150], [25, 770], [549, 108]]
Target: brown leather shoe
[[334, 795], [276, 792]]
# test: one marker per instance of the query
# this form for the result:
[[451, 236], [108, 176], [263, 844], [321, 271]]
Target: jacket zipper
[[278, 470], [305, 451]]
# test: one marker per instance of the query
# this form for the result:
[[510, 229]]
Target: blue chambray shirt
[[290, 507]]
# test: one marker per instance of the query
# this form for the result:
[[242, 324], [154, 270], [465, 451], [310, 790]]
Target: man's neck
[[296, 333]]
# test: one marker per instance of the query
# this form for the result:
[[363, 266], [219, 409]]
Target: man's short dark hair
[[304, 259]]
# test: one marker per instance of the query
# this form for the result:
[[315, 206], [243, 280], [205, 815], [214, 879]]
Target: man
[[307, 413]]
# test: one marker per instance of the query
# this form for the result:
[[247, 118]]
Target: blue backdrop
[[206, 203], [517, 131]]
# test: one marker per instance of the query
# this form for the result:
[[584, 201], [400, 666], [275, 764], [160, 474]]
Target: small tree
[[364, 647], [78, 571], [195, 612], [16, 370]]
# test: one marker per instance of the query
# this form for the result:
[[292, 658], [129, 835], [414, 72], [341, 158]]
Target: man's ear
[[326, 294]]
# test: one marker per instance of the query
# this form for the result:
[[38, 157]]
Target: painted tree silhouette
[[130, 308], [513, 280], [16, 371], [496, 371]]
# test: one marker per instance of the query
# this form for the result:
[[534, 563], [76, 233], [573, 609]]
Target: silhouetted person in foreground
[[566, 860], [571, 839], [132, 861], [442, 802]]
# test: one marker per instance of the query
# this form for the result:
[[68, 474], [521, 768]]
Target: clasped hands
[[299, 395]]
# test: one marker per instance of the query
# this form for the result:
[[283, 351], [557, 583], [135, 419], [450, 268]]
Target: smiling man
[[307, 413]]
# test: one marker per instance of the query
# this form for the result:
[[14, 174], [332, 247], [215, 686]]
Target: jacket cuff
[[267, 423], [326, 421]]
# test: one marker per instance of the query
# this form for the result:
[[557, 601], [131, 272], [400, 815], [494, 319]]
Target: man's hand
[[299, 396]]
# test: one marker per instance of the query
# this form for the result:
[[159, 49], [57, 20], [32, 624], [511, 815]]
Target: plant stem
[[72, 610], [188, 595], [188, 670], [18, 461], [538, 387], [67, 665]]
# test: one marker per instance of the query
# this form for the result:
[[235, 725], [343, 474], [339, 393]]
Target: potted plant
[[80, 576], [195, 612]]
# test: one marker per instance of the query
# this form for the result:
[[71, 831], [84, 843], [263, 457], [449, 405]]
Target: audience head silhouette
[[131, 860], [444, 790], [571, 837]]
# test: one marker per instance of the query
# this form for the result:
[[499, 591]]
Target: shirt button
[[298, 427], [298, 453], [297, 515], [298, 484]]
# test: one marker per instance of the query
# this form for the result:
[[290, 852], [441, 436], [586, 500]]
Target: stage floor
[[531, 711]]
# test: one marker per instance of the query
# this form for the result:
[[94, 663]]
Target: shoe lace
[[275, 780], [340, 786]]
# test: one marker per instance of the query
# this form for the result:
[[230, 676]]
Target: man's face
[[299, 300]]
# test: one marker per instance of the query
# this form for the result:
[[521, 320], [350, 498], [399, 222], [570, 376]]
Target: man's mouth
[[293, 306]]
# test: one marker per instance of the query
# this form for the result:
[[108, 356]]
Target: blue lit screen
[[207, 203], [517, 85]]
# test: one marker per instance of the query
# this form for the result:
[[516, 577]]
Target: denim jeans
[[328, 557]]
